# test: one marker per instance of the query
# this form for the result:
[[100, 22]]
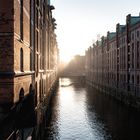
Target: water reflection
[[82, 113], [121, 122]]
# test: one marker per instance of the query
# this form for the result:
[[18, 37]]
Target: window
[[129, 64], [37, 2], [133, 79], [31, 65], [138, 79], [132, 36], [128, 78], [137, 34], [129, 57], [124, 78], [132, 55], [21, 19], [21, 59], [138, 54], [128, 48], [37, 40], [31, 23], [36, 91], [37, 18], [37, 64], [40, 90], [21, 94]]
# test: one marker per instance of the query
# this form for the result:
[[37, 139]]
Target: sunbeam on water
[[81, 113]]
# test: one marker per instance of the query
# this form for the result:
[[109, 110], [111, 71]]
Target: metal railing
[[14, 135]]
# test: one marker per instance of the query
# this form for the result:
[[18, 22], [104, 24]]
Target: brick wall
[[6, 35], [25, 43]]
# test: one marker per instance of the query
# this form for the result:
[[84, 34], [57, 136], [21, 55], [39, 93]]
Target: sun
[[65, 58]]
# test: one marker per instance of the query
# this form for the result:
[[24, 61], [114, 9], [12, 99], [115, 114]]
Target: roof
[[111, 35], [122, 28], [134, 20], [99, 42]]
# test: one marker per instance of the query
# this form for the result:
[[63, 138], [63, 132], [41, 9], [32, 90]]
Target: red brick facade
[[28, 49], [113, 65]]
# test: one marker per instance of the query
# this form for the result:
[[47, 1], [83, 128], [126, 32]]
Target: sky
[[81, 22]]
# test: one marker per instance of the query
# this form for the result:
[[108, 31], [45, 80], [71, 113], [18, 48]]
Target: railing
[[13, 136]]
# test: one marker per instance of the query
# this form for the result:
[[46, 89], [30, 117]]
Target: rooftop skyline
[[80, 22]]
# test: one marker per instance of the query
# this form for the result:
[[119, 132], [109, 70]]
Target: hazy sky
[[80, 21]]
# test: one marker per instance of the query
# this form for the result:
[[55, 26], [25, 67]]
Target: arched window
[[36, 91], [21, 59], [30, 88], [21, 94]]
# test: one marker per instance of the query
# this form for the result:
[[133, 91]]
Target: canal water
[[80, 112]]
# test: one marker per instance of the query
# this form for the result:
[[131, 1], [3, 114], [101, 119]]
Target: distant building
[[76, 67], [113, 65]]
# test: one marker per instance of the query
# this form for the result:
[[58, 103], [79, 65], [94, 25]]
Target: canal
[[80, 112]]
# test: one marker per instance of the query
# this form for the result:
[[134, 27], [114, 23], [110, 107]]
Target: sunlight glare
[[65, 58]]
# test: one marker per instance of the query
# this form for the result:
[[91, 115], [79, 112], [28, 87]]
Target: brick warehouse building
[[113, 63], [28, 52]]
